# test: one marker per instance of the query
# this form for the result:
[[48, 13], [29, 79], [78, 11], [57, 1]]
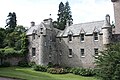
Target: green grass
[[29, 74]]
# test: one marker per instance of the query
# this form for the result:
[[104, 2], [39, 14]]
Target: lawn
[[29, 74]]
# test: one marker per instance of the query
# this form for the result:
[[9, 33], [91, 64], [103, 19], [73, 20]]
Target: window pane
[[82, 37], [33, 51], [70, 37], [82, 52], [95, 36], [70, 51], [96, 51]]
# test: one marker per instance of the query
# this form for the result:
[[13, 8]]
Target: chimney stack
[[32, 24]]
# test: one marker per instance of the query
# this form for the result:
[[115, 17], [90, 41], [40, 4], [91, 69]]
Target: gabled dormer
[[82, 35], [70, 35]]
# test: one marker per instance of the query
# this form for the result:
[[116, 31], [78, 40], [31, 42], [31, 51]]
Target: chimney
[[32, 24]]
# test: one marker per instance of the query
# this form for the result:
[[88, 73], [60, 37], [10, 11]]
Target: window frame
[[70, 53], [95, 34], [33, 52], [96, 52], [82, 52], [70, 38], [82, 37]]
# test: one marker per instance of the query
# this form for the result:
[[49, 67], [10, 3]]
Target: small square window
[[33, 51], [95, 36], [82, 53], [70, 37], [82, 37], [96, 51], [70, 52]]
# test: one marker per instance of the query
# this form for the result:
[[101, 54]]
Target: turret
[[107, 31]]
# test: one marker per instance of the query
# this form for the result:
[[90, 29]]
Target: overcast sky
[[37, 10]]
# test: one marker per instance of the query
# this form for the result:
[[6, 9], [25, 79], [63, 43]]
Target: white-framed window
[[95, 34], [82, 52], [96, 51], [70, 52], [33, 51], [82, 37], [69, 37]]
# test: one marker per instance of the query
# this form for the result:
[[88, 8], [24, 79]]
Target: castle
[[76, 46]]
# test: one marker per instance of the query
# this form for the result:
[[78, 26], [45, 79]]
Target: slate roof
[[87, 28], [35, 28]]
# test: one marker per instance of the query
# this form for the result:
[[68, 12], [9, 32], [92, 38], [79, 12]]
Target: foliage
[[56, 70], [108, 63], [50, 64], [23, 63], [40, 68], [82, 71], [5, 64], [64, 16], [2, 37], [11, 22], [31, 64]]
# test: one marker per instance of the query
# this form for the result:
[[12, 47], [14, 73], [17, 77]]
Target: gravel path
[[1, 78]]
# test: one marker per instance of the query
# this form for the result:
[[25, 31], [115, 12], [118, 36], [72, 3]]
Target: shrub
[[40, 68], [50, 65], [31, 64], [82, 71], [56, 70], [6, 64], [23, 63]]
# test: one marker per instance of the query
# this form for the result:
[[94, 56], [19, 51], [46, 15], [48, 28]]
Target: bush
[[82, 71], [6, 64], [23, 63], [31, 64], [56, 70], [50, 65], [40, 68]]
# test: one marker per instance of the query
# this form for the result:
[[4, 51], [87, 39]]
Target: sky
[[38, 10]]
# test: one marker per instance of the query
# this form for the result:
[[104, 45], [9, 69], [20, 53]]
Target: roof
[[35, 28], [87, 28]]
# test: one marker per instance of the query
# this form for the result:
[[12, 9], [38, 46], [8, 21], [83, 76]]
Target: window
[[96, 51], [82, 53], [82, 37], [41, 30], [95, 36], [70, 52], [70, 37], [33, 51], [33, 36]]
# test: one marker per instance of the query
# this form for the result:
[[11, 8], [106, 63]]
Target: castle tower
[[116, 5], [107, 31]]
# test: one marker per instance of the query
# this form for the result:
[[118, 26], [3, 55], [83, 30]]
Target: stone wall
[[77, 60]]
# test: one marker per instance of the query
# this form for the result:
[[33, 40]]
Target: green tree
[[11, 22], [2, 37], [108, 63], [64, 16]]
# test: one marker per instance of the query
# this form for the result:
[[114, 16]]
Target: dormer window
[[69, 37], [95, 34], [82, 37], [41, 30]]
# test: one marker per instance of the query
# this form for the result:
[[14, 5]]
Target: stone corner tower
[[107, 31]]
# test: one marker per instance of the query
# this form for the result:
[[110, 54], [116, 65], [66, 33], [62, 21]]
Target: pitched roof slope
[[88, 28]]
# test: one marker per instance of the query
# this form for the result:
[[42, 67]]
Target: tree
[[108, 63], [2, 37], [11, 22], [64, 15]]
